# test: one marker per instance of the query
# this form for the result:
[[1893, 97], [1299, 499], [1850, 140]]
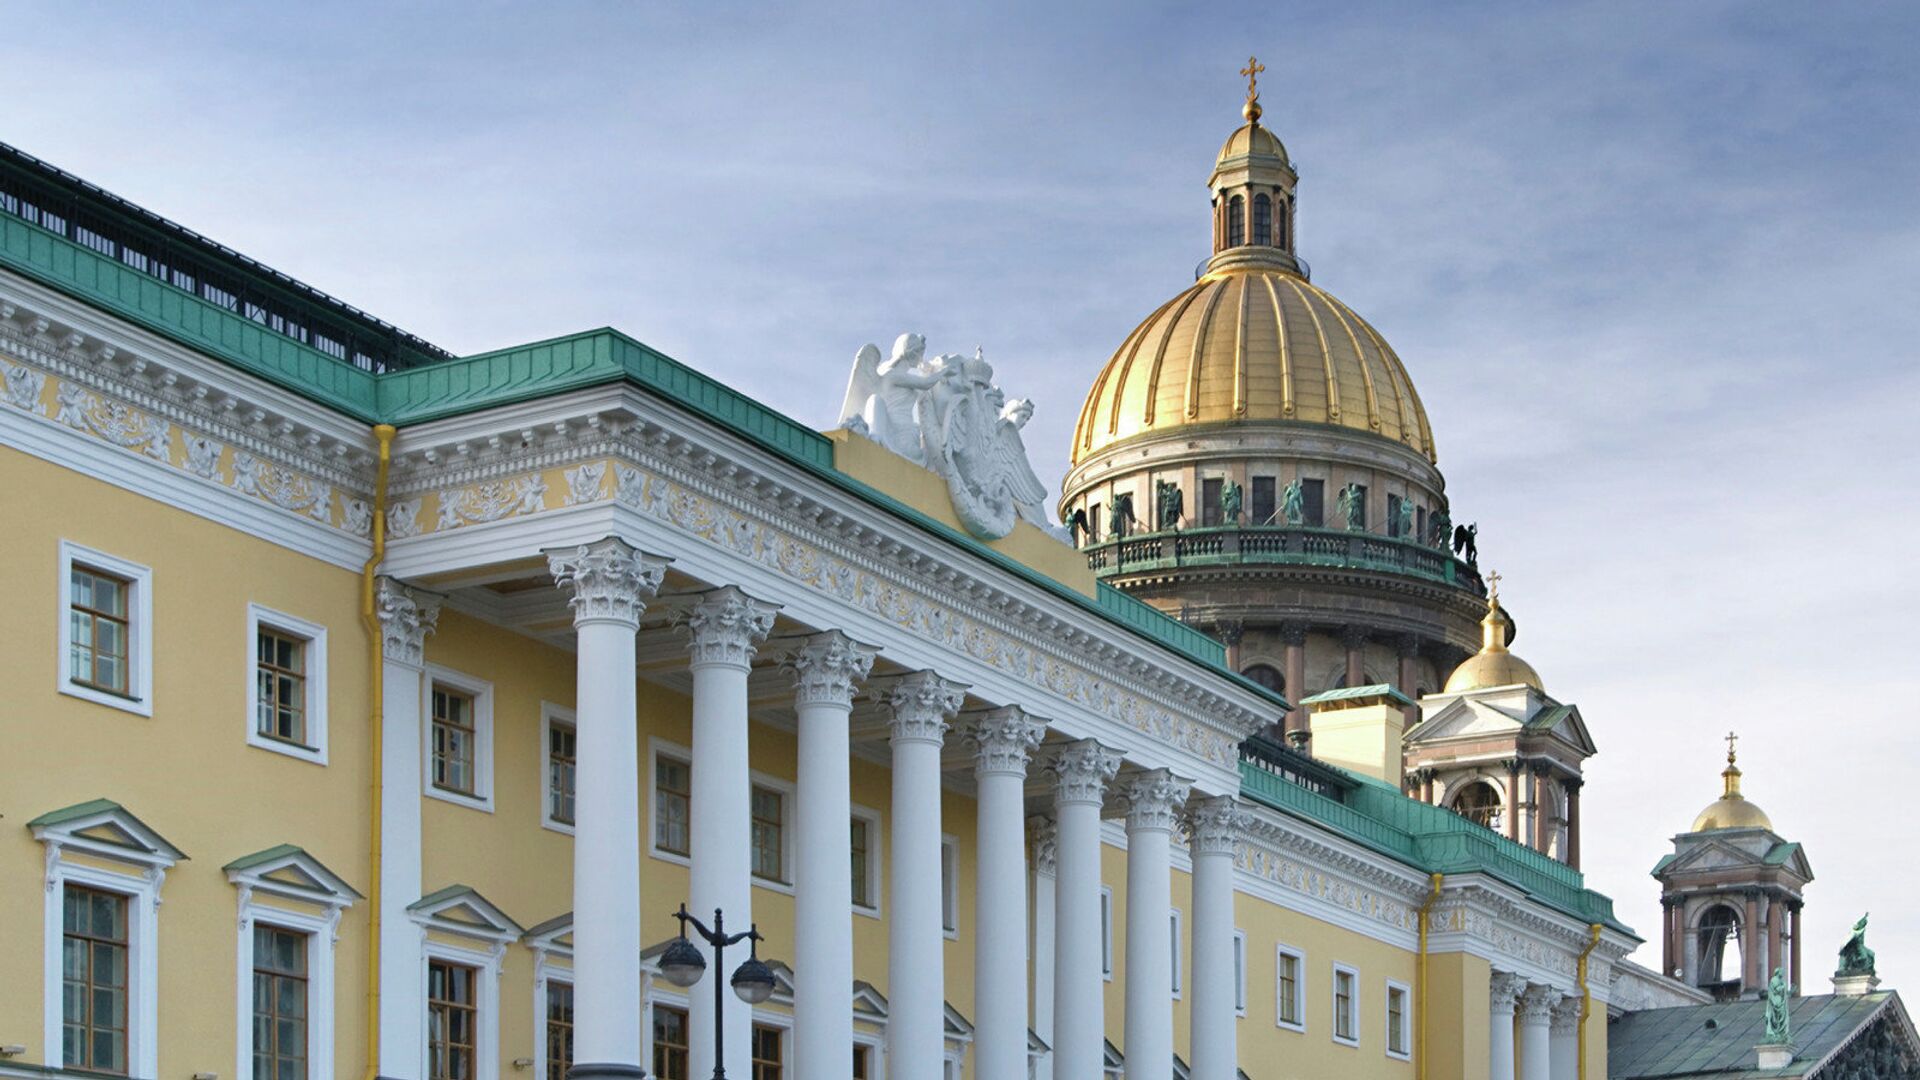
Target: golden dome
[[1252, 342], [1250, 140], [1731, 810], [1493, 665]]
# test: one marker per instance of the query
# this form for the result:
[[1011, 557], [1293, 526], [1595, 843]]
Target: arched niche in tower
[[1718, 926], [1478, 802], [1266, 675]]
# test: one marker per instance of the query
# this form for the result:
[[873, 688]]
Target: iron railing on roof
[[67, 206], [1279, 545]]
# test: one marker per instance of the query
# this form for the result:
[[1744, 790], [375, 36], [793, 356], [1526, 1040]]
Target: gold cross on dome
[[1252, 72], [1493, 585], [1731, 739]]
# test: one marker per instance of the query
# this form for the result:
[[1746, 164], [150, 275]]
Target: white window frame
[[143, 876], [657, 749], [1406, 1019], [876, 1052], [486, 1014], [761, 1016], [482, 692], [550, 716], [1106, 933], [553, 962], [1174, 921], [315, 635], [545, 974], [1333, 1000], [950, 886], [875, 876], [1239, 972], [139, 699], [1299, 958], [788, 793], [320, 931]]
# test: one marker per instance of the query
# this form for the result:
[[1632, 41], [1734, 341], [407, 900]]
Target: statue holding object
[[1855, 957], [1171, 503], [1293, 504], [1778, 1022], [1230, 503]]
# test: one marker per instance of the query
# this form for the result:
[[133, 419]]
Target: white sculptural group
[[945, 413]]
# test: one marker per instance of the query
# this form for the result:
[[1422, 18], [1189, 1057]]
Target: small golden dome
[[1255, 341], [1252, 140], [1493, 665], [1731, 810]]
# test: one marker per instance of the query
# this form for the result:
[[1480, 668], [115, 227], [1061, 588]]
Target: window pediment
[[461, 910], [288, 871], [104, 828]]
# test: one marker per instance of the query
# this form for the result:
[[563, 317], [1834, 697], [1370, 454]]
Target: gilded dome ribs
[[1326, 354], [1348, 318], [1286, 361], [1197, 354], [1359, 358], [1126, 368], [1240, 353]]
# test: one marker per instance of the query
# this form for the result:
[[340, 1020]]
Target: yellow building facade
[[372, 710]]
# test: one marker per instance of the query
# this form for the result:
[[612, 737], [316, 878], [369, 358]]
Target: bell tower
[[1253, 191], [1730, 895]]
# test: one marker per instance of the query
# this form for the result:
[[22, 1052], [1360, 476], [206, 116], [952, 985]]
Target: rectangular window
[[559, 1029], [1393, 515], [769, 828], [766, 1053], [93, 960], [1398, 1039], [454, 736], [949, 885], [453, 1021], [1264, 506], [669, 1043], [1290, 1000], [1420, 524], [100, 630], [1106, 932], [1173, 919], [862, 846], [1094, 524], [1210, 501], [279, 1004], [1240, 973], [862, 1062], [1345, 1005], [280, 686], [1313, 503], [672, 784], [562, 740]]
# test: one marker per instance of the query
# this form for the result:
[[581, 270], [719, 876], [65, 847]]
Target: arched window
[[1280, 239], [1479, 803], [1236, 222], [1262, 220], [1268, 676], [1719, 925]]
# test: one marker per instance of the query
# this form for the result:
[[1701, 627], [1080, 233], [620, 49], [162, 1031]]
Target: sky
[[1654, 268]]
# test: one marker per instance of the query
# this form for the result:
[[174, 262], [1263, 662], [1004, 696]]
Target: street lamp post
[[683, 965]]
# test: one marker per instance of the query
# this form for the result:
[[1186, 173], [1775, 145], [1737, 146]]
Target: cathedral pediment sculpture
[[946, 414]]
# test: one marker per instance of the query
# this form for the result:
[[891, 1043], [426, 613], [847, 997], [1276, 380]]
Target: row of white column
[[1547, 1043], [610, 584]]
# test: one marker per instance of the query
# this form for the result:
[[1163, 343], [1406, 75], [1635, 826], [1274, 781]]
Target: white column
[[1504, 989], [724, 627], [1082, 771], [1041, 841], [1536, 1009], [611, 583], [407, 616], [825, 672], [1003, 743], [1564, 1039], [916, 941], [1153, 799], [1213, 839]]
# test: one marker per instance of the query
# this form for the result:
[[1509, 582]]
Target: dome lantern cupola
[[1253, 192], [1493, 665]]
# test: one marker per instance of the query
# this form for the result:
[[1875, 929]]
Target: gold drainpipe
[[383, 434], [1586, 996], [1420, 1046]]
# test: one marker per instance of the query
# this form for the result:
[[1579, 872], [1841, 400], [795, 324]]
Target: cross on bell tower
[[1252, 185]]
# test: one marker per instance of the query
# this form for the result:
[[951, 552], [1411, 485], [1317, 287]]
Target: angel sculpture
[[1012, 466], [1353, 506], [883, 397], [1293, 505], [1466, 543]]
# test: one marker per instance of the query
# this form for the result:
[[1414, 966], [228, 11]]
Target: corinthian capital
[[1503, 988], [1154, 799], [407, 616], [921, 703], [1043, 836], [611, 581], [1003, 741], [826, 667], [1214, 825], [1082, 771], [727, 626], [1537, 1002], [1566, 1015]]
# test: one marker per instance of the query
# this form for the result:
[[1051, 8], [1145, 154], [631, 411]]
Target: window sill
[[313, 755], [560, 827], [484, 804], [109, 698], [1287, 1025], [783, 887]]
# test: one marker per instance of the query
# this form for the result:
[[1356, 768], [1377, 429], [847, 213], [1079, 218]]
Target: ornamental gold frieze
[[250, 470]]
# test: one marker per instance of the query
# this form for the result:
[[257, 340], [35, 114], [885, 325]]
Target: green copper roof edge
[[266, 855], [1348, 693], [1446, 848], [77, 810], [514, 374]]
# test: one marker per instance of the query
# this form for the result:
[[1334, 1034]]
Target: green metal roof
[[1349, 693], [1718, 1040], [1432, 839], [468, 384]]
